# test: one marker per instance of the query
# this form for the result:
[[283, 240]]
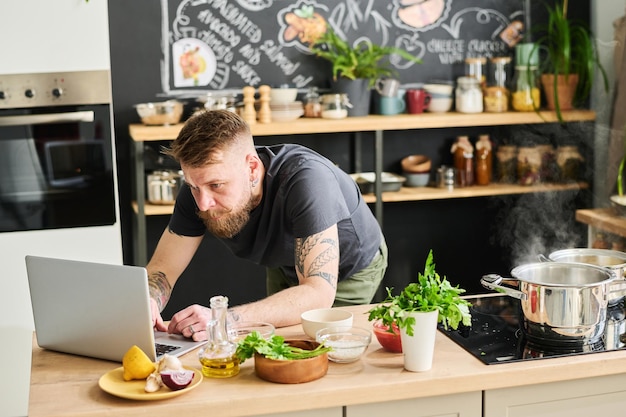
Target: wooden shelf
[[143, 133], [606, 219], [424, 194]]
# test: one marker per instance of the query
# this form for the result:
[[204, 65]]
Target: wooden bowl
[[416, 163], [292, 371]]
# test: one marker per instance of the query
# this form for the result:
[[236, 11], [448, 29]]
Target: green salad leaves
[[274, 348], [431, 292]]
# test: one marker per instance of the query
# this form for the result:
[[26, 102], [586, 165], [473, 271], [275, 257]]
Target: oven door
[[56, 168]]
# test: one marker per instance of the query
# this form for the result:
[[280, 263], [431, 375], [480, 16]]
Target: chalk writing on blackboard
[[227, 44]]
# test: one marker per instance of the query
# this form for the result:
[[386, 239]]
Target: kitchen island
[[458, 384]]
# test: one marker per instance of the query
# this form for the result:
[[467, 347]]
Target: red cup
[[417, 100]]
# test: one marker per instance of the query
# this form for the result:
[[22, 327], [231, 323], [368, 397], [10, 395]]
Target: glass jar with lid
[[312, 104], [469, 96], [475, 67], [335, 106], [497, 91], [526, 95]]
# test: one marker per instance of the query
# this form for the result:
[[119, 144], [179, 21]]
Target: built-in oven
[[56, 151]]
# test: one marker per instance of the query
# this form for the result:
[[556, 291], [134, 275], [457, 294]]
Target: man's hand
[[191, 322], [157, 320]]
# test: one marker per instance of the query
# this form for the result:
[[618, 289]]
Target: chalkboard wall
[[219, 44], [469, 236]]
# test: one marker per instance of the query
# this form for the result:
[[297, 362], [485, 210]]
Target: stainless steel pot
[[560, 302], [611, 259], [163, 186]]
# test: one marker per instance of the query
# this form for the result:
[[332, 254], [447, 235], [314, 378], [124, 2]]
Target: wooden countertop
[[607, 219], [67, 385]]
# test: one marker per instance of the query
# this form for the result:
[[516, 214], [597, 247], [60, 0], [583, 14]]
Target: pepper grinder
[[249, 113], [265, 113]]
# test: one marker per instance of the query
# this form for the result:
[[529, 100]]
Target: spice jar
[[497, 92], [506, 156], [335, 106], [463, 156], [469, 96], [528, 165], [569, 162], [484, 167], [312, 104]]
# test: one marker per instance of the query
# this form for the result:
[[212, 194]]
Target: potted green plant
[[571, 59], [432, 299], [358, 65]]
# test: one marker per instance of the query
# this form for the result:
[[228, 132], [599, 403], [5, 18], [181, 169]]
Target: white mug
[[387, 87]]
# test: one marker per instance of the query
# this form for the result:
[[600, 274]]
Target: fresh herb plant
[[274, 348], [363, 60], [431, 292]]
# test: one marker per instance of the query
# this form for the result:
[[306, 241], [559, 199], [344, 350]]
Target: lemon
[[137, 365]]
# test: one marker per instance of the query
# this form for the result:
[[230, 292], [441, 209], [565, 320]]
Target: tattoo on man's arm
[[303, 248], [160, 288]]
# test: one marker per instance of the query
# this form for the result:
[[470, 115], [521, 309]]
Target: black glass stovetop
[[495, 335]]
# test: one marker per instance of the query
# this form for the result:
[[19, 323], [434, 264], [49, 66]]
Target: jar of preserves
[[463, 156], [497, 93], [528, 165], [469, 96], [506, 156], [484, 165], [335, 106], [312, 103], [569, 162]]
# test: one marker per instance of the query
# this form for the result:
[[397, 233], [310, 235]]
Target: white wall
[[53, 36], [603, 14]]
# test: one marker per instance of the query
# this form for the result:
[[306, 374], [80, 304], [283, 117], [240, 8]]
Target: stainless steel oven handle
[[38, 119]]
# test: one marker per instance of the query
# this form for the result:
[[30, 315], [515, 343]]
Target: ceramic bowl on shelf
[[292, 371], [164, 113], [416, 163], [366, 181], [348, 342], [281, 95], [416, 179], [314, 320]]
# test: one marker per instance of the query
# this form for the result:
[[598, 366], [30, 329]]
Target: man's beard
[[230, 222]]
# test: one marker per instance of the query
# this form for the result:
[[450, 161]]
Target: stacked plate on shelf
[[286, 112]]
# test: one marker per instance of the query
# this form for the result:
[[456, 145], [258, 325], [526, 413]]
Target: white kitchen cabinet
[[140, 133], [601, 396], [319, 412], [455, 405]]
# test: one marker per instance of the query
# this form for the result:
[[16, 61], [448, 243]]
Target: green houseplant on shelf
[[571, 59], [417, 309], [357, 66]]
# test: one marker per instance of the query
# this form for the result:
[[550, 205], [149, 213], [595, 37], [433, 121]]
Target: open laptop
[[96, 310]]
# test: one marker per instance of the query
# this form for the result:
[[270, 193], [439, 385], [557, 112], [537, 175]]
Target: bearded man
[[284, 207]]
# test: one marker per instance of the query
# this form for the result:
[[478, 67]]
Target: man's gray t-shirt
[[304, 193]]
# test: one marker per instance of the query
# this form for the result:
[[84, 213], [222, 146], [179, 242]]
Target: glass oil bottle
[[218, 357]]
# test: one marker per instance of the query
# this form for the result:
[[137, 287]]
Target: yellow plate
[[113, 383]]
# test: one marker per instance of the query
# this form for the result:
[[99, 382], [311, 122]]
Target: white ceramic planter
[[418, 349]]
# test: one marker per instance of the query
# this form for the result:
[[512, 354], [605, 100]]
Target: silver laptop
[[96, 310]]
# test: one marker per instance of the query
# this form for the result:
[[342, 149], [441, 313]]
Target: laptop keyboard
[[162, 349]]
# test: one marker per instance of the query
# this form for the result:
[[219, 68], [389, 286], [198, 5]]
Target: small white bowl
[[283, 95], [348, 343], [314, 320]]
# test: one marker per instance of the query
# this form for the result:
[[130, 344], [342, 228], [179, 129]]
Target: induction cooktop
[[495, 335]]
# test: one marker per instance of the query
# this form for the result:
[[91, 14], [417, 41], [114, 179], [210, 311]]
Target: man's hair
[[208, 134]]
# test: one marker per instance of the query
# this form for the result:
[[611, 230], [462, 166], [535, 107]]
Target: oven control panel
[[54, 89]]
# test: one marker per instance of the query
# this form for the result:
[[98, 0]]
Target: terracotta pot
[[389, 341], [566, 87], [292, 371]]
